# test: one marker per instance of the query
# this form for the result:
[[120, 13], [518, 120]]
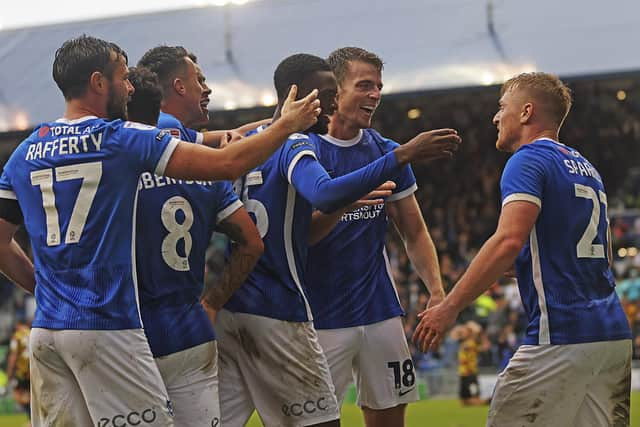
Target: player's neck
[[175, 111], [533, 136], [339, 129], [77, 108]]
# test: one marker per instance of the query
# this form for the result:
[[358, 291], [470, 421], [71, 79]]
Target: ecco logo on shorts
[[133, 418], [308, 407]]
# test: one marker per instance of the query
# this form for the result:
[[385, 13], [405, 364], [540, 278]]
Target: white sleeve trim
[[522, 197], [199, 137], [295, 160], [402, 194], [164, 159], [226, 212], [7, 194]]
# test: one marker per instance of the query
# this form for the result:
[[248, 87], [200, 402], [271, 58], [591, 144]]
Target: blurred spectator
[[472, 341], [18, 365]]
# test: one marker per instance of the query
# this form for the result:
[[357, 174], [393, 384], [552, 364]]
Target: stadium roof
[[425, 44]]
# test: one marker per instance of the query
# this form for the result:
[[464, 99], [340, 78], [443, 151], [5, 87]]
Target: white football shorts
[[376, 357], [95, 378], [573, 385], [191, 378], [276, 367]]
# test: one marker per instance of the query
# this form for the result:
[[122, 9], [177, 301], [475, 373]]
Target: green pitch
[[435, 413], [443, 413]]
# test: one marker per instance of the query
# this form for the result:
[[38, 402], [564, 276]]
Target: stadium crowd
[[460, 200]]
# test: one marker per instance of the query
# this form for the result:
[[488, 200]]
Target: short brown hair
[[547, 89], [339, 60]]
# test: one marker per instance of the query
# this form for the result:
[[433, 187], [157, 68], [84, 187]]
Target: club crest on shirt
[[173, 131]]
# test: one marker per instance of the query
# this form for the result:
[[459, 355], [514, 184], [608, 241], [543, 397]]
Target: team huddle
[[120, 198]]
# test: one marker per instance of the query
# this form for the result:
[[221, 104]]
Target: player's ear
[[178, 86], [97, 82], [526, 113]]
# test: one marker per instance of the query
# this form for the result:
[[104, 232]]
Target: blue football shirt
[[565, 282], [280, 195], [349, 278], [175, 220], [76, 184], [275, 287]]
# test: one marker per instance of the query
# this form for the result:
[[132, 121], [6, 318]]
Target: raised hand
[[301, 114], [430, 145]]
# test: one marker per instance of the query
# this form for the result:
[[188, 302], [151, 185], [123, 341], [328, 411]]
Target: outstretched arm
[[193, 161], [494, 258], [247, 247], [326, 194], [214, 138]]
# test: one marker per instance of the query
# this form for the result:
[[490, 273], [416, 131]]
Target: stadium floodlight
[[488, 78], [414, 113], [21, 121], [230, 105], [268, 99]]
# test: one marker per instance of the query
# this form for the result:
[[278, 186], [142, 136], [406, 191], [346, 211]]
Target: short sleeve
[[6, 188], [228, 201], [152, 146], [297, 146], [195, 136], [523, 177]]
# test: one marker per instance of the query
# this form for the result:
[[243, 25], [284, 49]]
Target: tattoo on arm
[[233, 231], [236, 271]]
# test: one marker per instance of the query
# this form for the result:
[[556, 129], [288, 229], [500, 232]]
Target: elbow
[[510, 246]]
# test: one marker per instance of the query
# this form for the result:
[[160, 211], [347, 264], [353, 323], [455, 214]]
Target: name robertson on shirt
[[149, 180]]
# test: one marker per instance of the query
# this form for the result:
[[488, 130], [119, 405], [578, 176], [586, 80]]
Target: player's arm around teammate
[[192, 161], [220, 138], [424, 147], [188, 161], [247, 247]]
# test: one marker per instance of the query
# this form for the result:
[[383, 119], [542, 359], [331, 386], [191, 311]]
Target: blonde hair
[[553, 95]]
